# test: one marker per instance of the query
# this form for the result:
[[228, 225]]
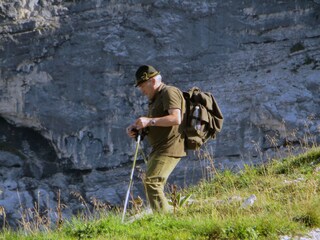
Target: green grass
[[287, 194]]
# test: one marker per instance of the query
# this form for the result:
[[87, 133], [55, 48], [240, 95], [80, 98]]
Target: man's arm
[[173, 118]]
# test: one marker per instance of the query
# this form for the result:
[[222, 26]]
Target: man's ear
[[153, 81]]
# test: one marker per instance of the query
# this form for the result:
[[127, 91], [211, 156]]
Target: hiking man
[[164, 124]]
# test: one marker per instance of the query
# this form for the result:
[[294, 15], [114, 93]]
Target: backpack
[[210, 119]]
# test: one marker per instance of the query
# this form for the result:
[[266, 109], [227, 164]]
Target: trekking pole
[[131, 176]]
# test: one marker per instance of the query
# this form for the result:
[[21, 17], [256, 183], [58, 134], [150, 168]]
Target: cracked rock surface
[[66, 88]]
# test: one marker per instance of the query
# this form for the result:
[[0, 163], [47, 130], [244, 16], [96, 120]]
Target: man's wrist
[[152, 122]]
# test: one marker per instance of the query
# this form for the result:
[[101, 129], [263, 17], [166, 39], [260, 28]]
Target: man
[[165, 133]]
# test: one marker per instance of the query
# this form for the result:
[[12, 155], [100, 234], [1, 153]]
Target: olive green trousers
[[158, 170]]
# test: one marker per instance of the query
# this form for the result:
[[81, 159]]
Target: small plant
[[38, 219], [239, 231], [4, 216], [137, 203], [309, 219], [177, 200], [59, 211], [308, 216], [100, 206], [87, 213], [297, 47]]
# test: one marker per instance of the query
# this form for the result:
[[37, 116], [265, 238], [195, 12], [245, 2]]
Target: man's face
[[147, 88]]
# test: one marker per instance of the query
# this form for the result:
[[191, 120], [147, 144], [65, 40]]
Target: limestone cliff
[[66, 86]]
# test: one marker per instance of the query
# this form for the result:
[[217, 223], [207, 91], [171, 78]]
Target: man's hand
[[132, 131], [142, 122]]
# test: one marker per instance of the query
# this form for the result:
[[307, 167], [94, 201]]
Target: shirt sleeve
[[172, 99]]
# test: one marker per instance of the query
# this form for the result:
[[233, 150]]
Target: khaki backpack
[[205, 125]]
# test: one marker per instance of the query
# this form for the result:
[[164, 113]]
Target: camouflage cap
[[144, 73]]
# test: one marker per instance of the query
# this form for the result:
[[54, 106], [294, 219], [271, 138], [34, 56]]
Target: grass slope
[[287, 199]]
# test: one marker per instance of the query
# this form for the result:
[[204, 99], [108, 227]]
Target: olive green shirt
[[167, 141]]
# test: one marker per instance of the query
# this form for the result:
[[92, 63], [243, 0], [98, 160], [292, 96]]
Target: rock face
[[66, 84]]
